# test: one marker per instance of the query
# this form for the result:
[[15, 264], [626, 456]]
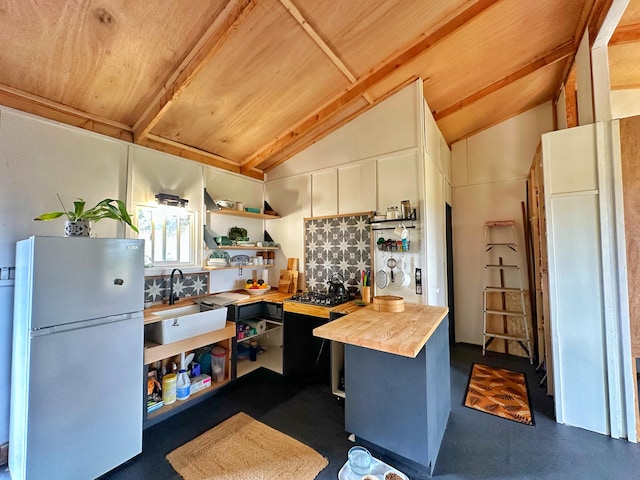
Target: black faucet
[[172, 297]]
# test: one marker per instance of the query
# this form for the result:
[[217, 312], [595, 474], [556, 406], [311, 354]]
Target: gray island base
[[397, 403]]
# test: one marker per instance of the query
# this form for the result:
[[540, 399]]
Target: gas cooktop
[[320, 298]]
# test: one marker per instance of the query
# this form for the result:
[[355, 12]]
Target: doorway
[[450, 302]]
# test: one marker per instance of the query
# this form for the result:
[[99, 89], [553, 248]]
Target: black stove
[[321, 298]]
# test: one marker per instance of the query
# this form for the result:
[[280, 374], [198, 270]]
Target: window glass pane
[[171, 254], [158, 236], [185, 238], [144, 224], [168, 232]]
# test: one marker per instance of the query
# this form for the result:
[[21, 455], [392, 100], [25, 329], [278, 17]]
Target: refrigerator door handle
[[85, 324]]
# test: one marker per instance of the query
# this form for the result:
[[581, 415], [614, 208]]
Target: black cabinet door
[[306, 357]]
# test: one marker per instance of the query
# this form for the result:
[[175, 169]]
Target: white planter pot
[[77, 229]]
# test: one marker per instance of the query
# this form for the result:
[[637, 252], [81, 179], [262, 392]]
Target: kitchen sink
[[185, 322]]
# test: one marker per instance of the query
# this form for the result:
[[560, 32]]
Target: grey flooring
[[476, 445]]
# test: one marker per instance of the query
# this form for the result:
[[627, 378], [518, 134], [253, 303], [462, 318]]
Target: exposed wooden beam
[[558, 53], [589, 11], [319, 41], [597, 19], [571, 99], [43, 107], [626, 34], [366, 82], [219, 160], [168, 146], [609, 23], [234, 13], [626, 86]]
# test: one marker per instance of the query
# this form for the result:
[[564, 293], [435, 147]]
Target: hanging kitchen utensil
[[405, 277], [381, 279], [391, 263]]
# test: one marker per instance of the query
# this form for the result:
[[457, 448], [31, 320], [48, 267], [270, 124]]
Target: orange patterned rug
[[500, 392]]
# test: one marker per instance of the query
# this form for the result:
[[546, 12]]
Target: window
[[169, 234]]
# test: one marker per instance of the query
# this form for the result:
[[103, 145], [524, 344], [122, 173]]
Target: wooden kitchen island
[[398, 395]]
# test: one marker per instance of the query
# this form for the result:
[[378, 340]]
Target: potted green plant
[[79, 220]]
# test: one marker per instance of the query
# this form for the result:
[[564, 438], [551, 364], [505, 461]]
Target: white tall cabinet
[[589, 327]]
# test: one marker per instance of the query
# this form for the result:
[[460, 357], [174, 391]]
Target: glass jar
[[393, 213], [405, 205]]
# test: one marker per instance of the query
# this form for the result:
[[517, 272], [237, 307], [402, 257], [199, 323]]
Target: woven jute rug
[[500, 392], [242, 448]]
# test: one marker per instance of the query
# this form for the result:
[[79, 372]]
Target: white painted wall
[[38, 160], [386, 128], [489, 172], [369, 164]]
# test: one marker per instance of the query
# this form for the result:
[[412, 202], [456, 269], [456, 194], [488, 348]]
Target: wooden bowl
[[388, 303]]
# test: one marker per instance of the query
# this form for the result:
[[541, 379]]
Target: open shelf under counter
[[154, 352], [242, 213], [271, 358], [271, 325], [165, 410]]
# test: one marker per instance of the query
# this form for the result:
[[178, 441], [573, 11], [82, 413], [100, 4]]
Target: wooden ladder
[[501, 234]]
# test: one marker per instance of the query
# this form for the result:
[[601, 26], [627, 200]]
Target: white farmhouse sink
[[185, 322]]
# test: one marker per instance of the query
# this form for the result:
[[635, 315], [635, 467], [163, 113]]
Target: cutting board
[[284, 284], [288, 282], [294, 281], [292, 264]]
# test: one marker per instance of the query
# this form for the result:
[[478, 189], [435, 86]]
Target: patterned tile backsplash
[[156, 289], [339, 244]]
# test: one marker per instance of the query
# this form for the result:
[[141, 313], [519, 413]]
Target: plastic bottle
[[183, 386], [169, 388]]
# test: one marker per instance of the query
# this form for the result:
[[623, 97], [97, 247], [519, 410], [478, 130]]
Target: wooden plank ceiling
[[246, 84]]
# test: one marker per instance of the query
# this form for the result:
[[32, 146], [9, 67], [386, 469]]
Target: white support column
[[583, 81], [610, 287], [601, 84]]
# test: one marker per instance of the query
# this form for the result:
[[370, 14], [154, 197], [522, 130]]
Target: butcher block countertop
[[273, 296], [400, 333]]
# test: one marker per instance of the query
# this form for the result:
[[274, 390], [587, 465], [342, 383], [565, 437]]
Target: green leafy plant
[[237, 233], [107, 208]]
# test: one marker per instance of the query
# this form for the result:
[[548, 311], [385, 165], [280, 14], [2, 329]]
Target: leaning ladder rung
[[499, 223], [506, 337], [506, 313], [493, 265], [502, 289]]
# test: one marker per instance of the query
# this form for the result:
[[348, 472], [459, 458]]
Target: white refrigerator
[[77, 359]]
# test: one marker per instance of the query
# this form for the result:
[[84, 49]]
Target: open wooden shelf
[[245, 247], [241, 213], [239, 266]]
